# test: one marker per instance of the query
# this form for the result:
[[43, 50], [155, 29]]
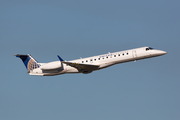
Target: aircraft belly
[[73, 70], [108, 64]]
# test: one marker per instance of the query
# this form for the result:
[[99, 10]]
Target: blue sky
[[143, 90]]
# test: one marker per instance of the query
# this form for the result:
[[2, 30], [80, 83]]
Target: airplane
[[86, 65]]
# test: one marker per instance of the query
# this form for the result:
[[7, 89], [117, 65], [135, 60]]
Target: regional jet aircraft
[[87, 65]]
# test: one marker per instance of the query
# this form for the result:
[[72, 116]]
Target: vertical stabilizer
[[29, 61]]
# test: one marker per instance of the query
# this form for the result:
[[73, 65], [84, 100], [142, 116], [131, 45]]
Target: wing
[[82, 67]]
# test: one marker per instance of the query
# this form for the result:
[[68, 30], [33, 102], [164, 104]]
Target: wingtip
[[60, 58]]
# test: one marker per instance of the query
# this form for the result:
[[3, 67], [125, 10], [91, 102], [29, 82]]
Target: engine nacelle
[[51, 66]]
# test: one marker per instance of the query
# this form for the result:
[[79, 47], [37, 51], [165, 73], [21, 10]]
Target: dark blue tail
[[29, 61]]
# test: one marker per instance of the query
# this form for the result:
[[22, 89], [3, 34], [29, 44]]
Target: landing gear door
[[134, 54]]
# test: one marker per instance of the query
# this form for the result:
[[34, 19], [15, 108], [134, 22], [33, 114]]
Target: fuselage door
[[134, 53]]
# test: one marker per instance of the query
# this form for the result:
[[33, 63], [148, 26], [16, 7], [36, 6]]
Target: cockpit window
[[149, 48]]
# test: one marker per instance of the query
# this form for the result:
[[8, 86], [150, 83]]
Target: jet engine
[[51, 66]]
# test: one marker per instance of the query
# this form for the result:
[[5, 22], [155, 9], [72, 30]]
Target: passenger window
[[114, 55], [82, 61], [123, 54], [119, 55], [127, 53], [86, 60], [106, 57], [94, 59], [99, 58]]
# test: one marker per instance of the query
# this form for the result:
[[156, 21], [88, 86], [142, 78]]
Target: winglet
[[60, 58]]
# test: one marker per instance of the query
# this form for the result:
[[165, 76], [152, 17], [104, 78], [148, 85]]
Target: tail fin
[[28, 61]]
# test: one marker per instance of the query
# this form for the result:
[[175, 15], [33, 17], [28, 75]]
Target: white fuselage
[[103, 61]]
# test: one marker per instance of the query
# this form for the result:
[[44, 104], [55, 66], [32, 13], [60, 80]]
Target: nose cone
[[163, 52], [160, 52]]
